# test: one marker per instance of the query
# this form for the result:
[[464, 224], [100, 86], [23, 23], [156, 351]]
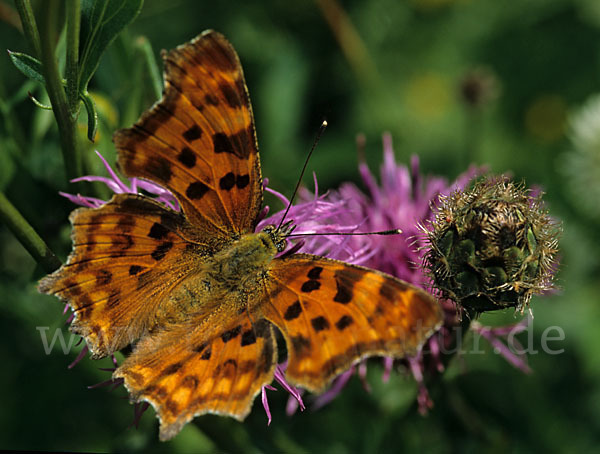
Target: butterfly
[[198, 294]]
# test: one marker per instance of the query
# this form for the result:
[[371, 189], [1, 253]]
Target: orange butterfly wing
[[207, 365], [127, 257], [333, 314], [199, 140]]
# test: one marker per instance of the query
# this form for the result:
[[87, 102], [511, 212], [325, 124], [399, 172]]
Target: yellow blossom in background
[[428, 96], [546, 117]]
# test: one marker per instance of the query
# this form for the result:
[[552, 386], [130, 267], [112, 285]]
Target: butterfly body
[[231, 277], [198, 294]]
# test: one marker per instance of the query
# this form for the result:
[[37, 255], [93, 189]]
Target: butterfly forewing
[[332, 314], [127, 257], [206, 365], [199, 140]]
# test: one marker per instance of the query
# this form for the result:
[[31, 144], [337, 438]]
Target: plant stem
[[350, 41], [72, 70], [29, 25], [66, 122], [28, 237]]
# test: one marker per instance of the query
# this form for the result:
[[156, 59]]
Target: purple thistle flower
[[115, 184], [503, 341]]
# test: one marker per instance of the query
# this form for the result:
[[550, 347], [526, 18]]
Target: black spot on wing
[[194, 133], [239, 144], [310, 286], [242, 181], [344, 322], [248, 338], [315, 273], [196, 190], [345, 280], [161, 250], [200, 348], [158, 231], [231, 334], [319, 323], [187, 157], [293, 311], [227, 182], [211, 100], [222, 144], [230, 95]]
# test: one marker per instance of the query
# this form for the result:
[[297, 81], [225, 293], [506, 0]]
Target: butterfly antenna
[[382, 232], [314, 145]]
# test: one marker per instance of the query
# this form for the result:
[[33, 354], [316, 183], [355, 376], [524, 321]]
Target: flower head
[[492, 246]]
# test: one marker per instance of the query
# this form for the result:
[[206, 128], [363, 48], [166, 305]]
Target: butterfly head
[[278, 234]]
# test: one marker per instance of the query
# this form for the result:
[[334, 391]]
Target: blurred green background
[[367, 67]]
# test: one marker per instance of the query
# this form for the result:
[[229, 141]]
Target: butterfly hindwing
[[127, 257], [199, 140], [206, 365], [332, 314]]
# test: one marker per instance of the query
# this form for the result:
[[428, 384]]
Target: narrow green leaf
[[28, 65], [38, 103], [101, 22], [92, 115]]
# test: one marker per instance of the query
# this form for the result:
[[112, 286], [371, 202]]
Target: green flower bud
[[491, 247]]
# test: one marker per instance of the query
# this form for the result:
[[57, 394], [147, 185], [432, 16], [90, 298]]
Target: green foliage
[[28, 65], [101, 22]]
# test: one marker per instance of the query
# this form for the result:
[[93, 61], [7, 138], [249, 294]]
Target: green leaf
[[38, 103], [101, 22], [28, 65], [90, 107]]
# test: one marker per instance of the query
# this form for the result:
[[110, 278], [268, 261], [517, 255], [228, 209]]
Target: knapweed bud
[[479, 87], [492, 246]]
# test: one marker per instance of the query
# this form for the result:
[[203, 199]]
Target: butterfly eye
[[281, 245]]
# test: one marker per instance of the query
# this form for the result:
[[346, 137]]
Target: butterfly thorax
[[225, 280]]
